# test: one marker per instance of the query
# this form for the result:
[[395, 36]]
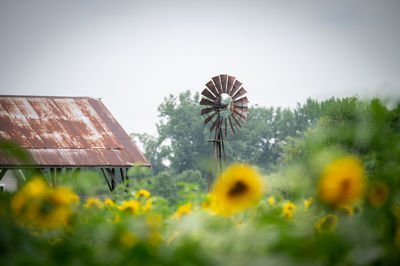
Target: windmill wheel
[[225, 104]]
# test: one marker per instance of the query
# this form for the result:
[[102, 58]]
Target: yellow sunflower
[[182, 210], [271, 200], [342, 182], [327, 223], [147, 205], [93, 202], [307, 203], [132, 206], [142, 193], [288, 210], [346, 210], [238, 188], [40, 206], [109, 203], [378, 193]]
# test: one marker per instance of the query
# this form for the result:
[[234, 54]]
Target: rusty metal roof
[[66, 131]]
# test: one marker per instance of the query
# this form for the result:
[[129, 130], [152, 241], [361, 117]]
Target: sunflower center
[[237, 189], [346, 185]]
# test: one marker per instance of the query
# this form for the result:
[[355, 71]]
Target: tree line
[[182, 144]]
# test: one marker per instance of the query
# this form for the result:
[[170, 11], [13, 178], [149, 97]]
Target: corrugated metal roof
[[66, 131]]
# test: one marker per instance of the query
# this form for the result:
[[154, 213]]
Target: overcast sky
[[132, 54]]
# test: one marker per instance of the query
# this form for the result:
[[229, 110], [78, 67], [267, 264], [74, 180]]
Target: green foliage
[[85, 182], [303, 141], [182, 136]]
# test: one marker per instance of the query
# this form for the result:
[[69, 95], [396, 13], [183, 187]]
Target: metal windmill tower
[[225, 104]]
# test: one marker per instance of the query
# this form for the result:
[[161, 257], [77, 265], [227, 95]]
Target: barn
[[64, 135]]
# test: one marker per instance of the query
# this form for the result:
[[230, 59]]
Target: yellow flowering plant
[[238, 188], [40, 206], [342, 182]]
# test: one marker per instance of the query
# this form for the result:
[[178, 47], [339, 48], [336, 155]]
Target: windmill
[[225, 105]]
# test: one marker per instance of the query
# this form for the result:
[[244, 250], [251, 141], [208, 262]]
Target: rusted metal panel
[[66, 131]]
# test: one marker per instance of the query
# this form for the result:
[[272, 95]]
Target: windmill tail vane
[[225, 105]]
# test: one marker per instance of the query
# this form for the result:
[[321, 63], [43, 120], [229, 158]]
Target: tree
[[182, 136]]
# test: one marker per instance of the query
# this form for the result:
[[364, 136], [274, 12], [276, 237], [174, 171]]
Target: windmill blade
[[236, 122], [208, 94], [226, 128], [241, 101], [230, 84], [230, 123], [207, 110], [235, 88], [217, 83], [240, 116], [205, 101], [240, 92], [212, 88], [242, 109], [224, 82], [214, 123], [208, 119]]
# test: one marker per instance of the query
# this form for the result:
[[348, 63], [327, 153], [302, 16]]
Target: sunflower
[[288, 210], [346, 210], [307, 203], [378, 193], [128, 239], [271, 200], [147, 205], [142, 193], [109, 203], [342, 182], [38, 205], [182, 210], [93, 203], [327, 223], [131, 206], [238, 188]]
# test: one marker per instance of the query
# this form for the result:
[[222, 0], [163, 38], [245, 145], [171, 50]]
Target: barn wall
[[9, 181]]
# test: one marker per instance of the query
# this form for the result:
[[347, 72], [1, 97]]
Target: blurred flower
[[238, 188], [153, 220], [131, 206], [182, 210], [93, 202], [40, 206], [271, 200], [307, 203], [109, 203], [147, 205], [327, 223], [128, 239], [346, 210], [117, 218], [288, 210], [142, 193], [342, 182], [240, 223], [378, 193], [62, 195]]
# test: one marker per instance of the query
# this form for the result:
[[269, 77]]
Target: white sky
[[132, 54]]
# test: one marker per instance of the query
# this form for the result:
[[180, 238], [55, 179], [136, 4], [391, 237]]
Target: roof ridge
[[49, 96]]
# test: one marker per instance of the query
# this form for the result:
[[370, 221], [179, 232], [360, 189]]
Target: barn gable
[[62, 132]]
